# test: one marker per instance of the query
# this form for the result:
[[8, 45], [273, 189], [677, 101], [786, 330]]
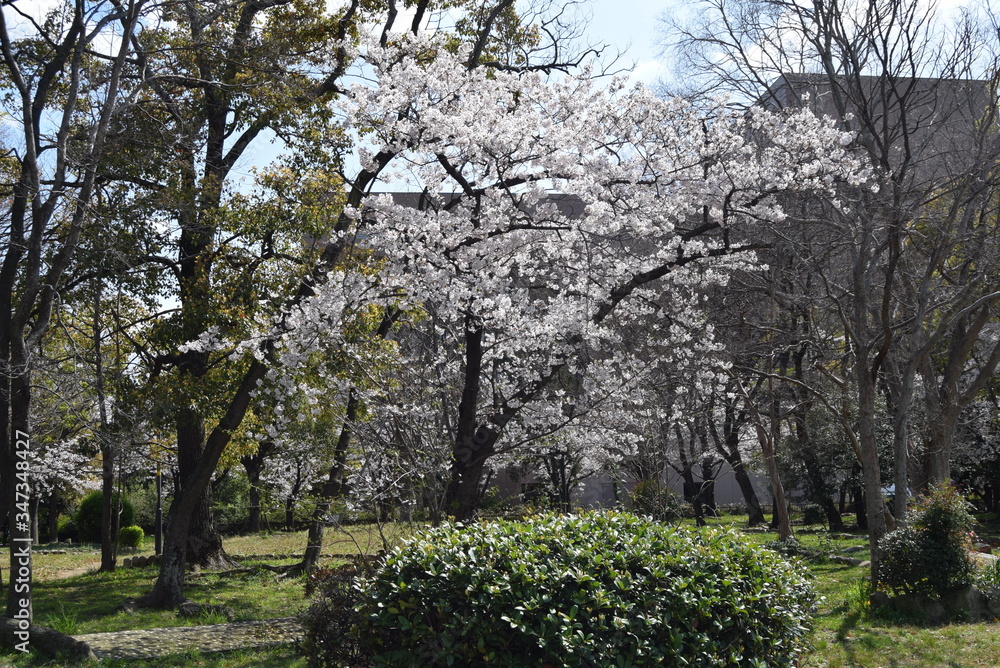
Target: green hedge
[[593, 590], [88, 516], [130, 536]]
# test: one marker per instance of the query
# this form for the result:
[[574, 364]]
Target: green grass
[[91, 603], [846, 634], [72, 597]]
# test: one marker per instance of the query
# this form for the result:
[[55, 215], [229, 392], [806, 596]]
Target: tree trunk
[[874, 507], [462, 495], [19, 599], [108, 508], [692, 494], [289, 513], [47, 641], [755, 514], [692, 490], [333, 487], [473, 442], [204, 544], [253, 518], [900, 384], [821, 494], [858, 501], [707, 491], [728, 445], [254, 466], [941, 427], [53, 517], [784, 524], [168, 592], [766, 439]]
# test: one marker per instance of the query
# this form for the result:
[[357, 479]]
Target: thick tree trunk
[[755, 514], [858, 501], [463, 492], [47, 641], [204, 544], [833, 516], [958, 386], [473, 442], [168, 592], [314, 541]]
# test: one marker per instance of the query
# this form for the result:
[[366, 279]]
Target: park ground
[[71, 597]]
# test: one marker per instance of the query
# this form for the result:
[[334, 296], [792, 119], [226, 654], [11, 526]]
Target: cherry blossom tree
[[529, 281]]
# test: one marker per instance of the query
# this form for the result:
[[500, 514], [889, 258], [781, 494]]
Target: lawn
[[71, 597]]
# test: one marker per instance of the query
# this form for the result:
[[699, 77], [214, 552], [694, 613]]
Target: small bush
[[131, 536], [932, 555], [654, 499], [88, 516], [331, 622], [813, 514], [594, 590]]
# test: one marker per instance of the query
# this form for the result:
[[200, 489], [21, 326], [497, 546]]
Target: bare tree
[[65, 87], [893, 264]]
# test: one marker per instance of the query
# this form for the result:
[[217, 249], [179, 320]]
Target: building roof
[[935, 126]]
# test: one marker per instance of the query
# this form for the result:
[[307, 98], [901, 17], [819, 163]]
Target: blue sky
[[631, 24]]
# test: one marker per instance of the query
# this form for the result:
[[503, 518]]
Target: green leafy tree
[[64, 81]]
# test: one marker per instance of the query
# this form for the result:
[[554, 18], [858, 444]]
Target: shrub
[[932, 556], [331, 622], [654, 499], [88, 516], [813, 514], [595, 590], [131, 536]]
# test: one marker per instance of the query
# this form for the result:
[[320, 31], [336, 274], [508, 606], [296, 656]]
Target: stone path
[[151, 643]]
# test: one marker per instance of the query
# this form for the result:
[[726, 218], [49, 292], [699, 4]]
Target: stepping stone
[[850, 561], [152, 643]]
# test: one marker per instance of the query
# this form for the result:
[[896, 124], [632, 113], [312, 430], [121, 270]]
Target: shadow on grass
[[91, 603], [286, 656]]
